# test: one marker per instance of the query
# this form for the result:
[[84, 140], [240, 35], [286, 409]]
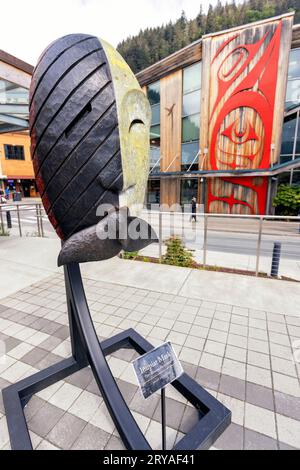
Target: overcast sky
[[28, 26]]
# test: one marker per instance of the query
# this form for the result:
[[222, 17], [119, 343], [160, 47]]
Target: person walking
[[7, 192], [194, 210]]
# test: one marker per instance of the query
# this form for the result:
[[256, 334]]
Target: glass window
[[155, 114], [14, 152], [192, 77], [292, 94], [191, 103], [154, 93], [284, 178], [288, 136], [189, 189], [190, 128], [189, 152], [153, 195], [296, 177], [155, 148], [294, 65]]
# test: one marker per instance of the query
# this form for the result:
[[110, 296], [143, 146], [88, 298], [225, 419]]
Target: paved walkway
[[235, 335]]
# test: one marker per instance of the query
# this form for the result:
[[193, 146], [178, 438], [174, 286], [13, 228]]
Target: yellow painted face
[[134, 116]]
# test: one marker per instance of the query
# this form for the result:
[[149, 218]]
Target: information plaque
[[156, 369]]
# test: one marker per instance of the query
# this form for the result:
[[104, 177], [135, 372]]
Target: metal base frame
[[214, 418]]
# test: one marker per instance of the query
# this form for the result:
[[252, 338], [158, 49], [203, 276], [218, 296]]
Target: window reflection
[[293, 85], [191, 105], [153, 92]]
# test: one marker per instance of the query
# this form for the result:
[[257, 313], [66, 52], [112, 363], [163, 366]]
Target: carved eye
[[134, 122], [236, 136]]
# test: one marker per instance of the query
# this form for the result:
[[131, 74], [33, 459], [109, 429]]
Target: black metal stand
[[87, 351], [163, 419]]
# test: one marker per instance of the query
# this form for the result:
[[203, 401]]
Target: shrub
[[127, 255], [287, 200], [177, 254]]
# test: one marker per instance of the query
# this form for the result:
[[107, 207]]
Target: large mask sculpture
[[89, 125]]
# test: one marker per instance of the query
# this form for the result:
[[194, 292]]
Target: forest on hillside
[[153, 44]]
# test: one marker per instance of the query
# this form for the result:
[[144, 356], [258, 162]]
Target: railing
[[238, 242], [12, 215], [233, 242]]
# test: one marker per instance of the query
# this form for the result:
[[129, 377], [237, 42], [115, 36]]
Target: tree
[[154, 44], [287, 200]]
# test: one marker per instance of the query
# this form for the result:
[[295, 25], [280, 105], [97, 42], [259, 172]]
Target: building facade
[[16, 169], [225, 119]]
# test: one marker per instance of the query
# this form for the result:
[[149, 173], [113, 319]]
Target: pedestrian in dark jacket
[[194, 209]]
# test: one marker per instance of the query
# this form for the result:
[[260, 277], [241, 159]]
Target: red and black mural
[[244, 74]]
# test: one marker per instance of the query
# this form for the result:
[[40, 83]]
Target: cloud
[[27, 27]]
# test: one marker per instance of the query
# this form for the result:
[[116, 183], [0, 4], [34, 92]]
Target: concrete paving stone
[[186, 318], [189, 369], [213, 347], [224, 317], [259, 376], [49, 360], [64, 349], [11, 343], [233, 387], [217, 335], [125, 354], [182, 327], [93, 388], [166, 323], [91, 438], [33, 406], [114, 443], [150, 320], [286, 384], [283, 366], [220, 325], [46, 393], [281, 351], [127, 389], [34, 356], [259, 360], [260, 420], [256, 441], [66, 431], [142, 406], [35, 439], [209, 361], [153, 436], [174, 413], [5, 363], [258, 345], [288, 431], [231, 439], [85, 405], [190, 355], [260, 396], [278, 338], [277, 327], [208, 378], [50, 343], [234, 369], [235, 406], [159, 333], [15, 372], [117, 366], [235, 353], [45, 445], [62, 333], [202, 321], [257, 323], [275, 317], [294, 321], [206, 312], [37, 338], [294, 331], [238, 330], [224, 308], [45, 419], [240, 311], [126, 324], [238, 341], [283, 446], [102, 419], [65, 396], [287, 405], [177, 338], [129, 376], [12, 329], [194, 302], [142, 421], [4, 437], [256, 333]]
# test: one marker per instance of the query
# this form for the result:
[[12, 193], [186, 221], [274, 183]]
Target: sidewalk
[[233, 334]]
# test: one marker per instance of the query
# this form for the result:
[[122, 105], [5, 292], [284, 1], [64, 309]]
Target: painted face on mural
[[240, 140]]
